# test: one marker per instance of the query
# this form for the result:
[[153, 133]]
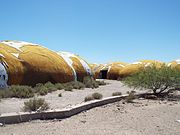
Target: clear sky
[[98, 30]]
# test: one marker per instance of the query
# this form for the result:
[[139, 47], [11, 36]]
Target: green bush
[[88, 98], [68, 88], [93, 97], [97, 95], [59, 86], [116, 94], [17, 91], [41, 90], [159, 80], [77, 85], [49, 85], [51, 89], [89, 82], [35, 105], [5, 93]]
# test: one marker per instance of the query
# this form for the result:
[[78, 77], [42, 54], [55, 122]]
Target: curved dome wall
[[79, 66], [175, 64], [30, 64], [137, 66]]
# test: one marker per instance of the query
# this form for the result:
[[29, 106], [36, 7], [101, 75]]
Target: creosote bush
[[116, 94], [88, 98], [97, 95], [68, 88], [35, 105], [93, 97], [89, 82], [59, 86], [159, 79], [17, 91]]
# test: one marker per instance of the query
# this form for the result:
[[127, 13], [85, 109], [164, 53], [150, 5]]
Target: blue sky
[[98, 30]]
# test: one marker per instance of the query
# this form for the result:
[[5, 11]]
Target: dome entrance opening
[[103, 74]]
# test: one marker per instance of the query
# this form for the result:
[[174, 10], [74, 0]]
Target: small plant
[[68, 88], [116, 94], [93, 97], [77, 85], [88, 98], [35, 105], [59, 86], [41, 90], [97, 95], [51, 89], [89, 82], [130, 97], [49, 85], [60, 95]]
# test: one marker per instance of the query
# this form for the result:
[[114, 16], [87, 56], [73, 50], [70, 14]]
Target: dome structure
[[109, 71], [138, 66], [79, 66], [174, 64], [28, 64]]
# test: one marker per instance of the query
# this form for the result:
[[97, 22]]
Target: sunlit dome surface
[[28, 63]]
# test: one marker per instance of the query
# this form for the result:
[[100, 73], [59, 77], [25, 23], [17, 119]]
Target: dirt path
[[141, 118]]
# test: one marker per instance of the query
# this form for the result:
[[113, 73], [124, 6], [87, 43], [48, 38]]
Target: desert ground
[[68, 98], [142, 117]]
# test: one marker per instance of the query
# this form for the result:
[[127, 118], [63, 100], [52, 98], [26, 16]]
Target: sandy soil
[[144, 117], [67, 99]]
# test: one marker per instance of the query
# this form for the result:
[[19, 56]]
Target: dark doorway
[[103, 74]]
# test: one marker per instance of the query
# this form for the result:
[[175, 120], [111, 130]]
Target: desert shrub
[[116, 94], [41, 90], [68, 87], [59, 86], [77, 85], [39, 84], [49, 85], [130, 97], [89, 82], [17, 91], [60, 95], [93, 97], [35, 105], [5, 93], [51, 89], [88, 98], [159, 80], [44, 89], [97, 95]]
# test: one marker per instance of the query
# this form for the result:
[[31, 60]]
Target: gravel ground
[[67, 99], [144, 117]]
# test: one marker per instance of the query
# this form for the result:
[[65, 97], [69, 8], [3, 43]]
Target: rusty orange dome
[[29, 63]]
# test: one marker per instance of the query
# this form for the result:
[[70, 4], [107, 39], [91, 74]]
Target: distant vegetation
[[161, 80], [21, 91]]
